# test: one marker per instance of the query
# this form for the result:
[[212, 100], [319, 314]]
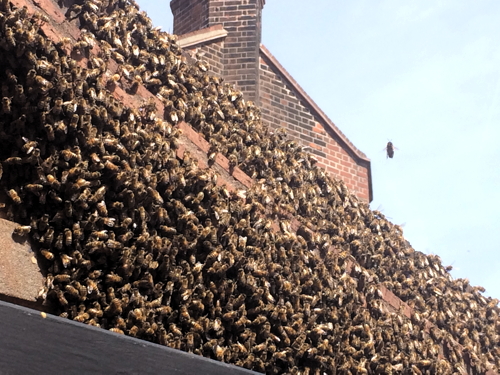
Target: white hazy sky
[[424, 74]]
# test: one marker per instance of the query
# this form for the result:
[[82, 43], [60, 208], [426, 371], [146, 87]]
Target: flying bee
[[390, 150]]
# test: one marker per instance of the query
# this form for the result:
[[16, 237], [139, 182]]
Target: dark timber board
[[31, 344]]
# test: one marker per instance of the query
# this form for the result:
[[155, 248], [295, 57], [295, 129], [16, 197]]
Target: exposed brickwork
[[213, 53], [189, 15], [240, 50], [242, 20], [283, 107]]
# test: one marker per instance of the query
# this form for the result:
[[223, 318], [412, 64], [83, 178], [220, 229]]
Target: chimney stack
[[240, 49]]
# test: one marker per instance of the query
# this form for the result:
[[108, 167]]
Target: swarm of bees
[[142, 243]]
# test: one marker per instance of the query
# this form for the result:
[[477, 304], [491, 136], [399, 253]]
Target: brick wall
[[212, 53], [283, 107], [189, 15], [242, 20]]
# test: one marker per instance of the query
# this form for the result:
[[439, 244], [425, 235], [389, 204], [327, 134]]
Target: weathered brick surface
[[240, 49], [213, 53], [189, 15]]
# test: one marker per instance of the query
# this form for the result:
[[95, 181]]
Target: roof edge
[[201, 36], [359, 157]]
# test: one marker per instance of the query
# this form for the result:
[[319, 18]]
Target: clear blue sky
[[424, 74]]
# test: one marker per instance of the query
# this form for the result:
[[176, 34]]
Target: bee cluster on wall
[[142, 243]]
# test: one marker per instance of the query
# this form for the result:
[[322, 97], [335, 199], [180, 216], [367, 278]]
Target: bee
[[112, 167], [112, 244], [99, 195], [77, 232], [81, 318], [91, 286], [72, 291], [6, 108], [53, 182], [43, 84], [19, 96], [74, 121], [66, 259], [62, 278], [47, 254], [50, 132], [114, 308], [114, 79], [137, 314], [9, 35], [390, 150], [102, 209], [137, 81], [69, 155], [81, 46], [100, 235], [12, 193], [22, 230], [59, 241], [13, 160], [113, 278], [95, 312]]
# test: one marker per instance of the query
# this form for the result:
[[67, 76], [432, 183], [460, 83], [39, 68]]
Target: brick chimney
[[240, 50]]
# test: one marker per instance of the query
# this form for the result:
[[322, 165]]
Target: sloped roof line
[[360, 157]]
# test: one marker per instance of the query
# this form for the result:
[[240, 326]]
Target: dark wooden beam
[[32, 342]]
